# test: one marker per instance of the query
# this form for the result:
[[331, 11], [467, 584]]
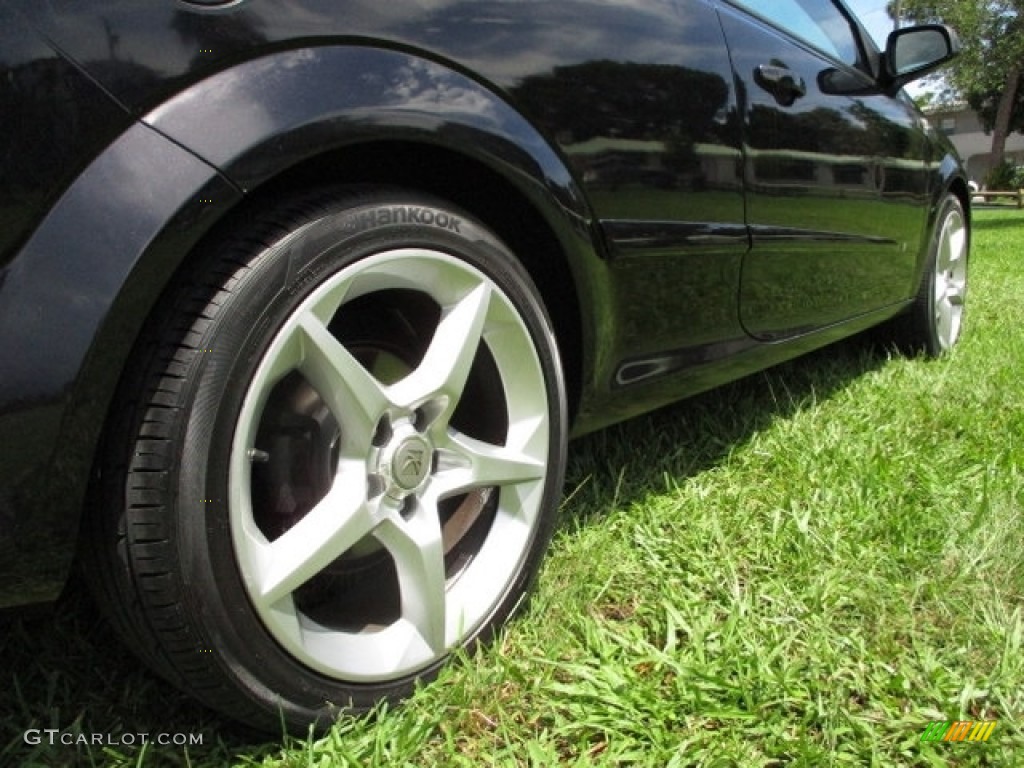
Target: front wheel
[[345, 462], [933, 324]]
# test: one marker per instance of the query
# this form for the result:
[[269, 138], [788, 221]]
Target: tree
[[988, 73]]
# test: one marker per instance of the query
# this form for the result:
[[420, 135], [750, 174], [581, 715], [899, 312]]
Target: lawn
[[804, 568]]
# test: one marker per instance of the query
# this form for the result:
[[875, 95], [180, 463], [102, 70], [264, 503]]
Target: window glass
[[818, 22]]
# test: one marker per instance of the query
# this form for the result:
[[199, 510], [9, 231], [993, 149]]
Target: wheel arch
[[948, 177], [404, 119], [958, 186], [478, 189], [952, 180], [496, 167]]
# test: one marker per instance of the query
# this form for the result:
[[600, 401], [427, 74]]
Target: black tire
[[934, 321], [311, 494]]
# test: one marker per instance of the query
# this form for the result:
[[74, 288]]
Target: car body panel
[[68, 324], [64, 119], [648, 130], [165, 117], [681, 169], [837, 186]]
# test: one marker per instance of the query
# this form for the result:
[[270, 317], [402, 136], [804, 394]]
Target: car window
[[817, 22]]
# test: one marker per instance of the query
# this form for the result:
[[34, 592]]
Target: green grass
[[803, 568]]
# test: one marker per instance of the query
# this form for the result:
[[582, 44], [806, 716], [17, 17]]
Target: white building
[[964, 129]]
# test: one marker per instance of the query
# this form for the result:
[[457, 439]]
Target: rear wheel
[[345, 463]]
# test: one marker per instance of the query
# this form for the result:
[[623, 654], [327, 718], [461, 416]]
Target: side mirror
[[913, 52]]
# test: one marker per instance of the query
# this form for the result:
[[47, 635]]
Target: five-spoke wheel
[[431, 441], [933, 322], [950, 276], [340, 457]]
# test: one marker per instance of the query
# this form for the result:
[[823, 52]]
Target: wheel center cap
[[410, 463]]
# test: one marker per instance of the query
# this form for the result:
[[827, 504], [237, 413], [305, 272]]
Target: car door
[[834, 170]]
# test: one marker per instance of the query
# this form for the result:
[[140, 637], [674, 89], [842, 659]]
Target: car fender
[[951, 178], [134, 214], [84, 282], [266, 116], [258, 118], [948, 178]]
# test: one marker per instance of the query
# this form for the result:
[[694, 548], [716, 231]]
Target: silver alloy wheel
[[399, 458], [950, 278]]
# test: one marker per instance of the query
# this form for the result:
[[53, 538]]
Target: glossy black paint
[[681, 216], [837, 188]]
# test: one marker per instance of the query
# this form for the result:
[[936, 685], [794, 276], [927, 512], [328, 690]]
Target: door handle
[[782, 82]]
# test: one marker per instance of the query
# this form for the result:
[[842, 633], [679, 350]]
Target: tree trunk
[[1001, 129]]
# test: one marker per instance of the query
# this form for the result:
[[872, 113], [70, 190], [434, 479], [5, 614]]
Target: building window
[[948, 125]]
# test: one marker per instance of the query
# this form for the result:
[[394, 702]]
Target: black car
[[301, 300]]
